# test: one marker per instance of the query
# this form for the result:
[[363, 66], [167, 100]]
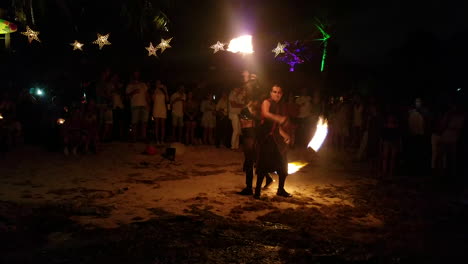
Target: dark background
[[394, 48]]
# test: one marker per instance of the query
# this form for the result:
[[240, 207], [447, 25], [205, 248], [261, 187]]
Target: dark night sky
[[364, 32]]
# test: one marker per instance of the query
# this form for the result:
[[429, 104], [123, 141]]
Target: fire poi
[[315, 144], [320, 134]]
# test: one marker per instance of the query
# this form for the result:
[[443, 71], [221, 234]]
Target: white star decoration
[[151, 50], [217, 47], [77, 46], [164, 44], [32, 35], [279, 49], [102, 40]]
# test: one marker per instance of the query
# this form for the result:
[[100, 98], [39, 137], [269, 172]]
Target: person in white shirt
[[160, 99], [235, 106], [177, 106], [117, 107], [137, 91], [208, 122]]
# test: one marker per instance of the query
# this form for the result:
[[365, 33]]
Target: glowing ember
[[242, 44], [294, 167], [320, 134], [60, 121]]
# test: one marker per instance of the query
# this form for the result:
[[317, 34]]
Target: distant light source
[[1, 116], [242, 44], [39, 92], [459, 89], [60, 121]]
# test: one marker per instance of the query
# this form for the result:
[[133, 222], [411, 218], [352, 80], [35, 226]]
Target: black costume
[[248, 144], [271, 151]]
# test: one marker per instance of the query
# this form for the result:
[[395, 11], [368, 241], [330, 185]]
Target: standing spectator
[[177, 106], [417, 145], [90, 127], [303, 118], [436, 131], [222, 121], [358, 121], [373, 130], [450, 138], [341, 123], [137, 91], [160, 99], [103, 101], [208, 121], [72, 133], [236, 103], [292, 110], [391, 142], [117, 107], [190, 117]]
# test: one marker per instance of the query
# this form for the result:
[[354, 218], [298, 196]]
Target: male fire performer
[[272, 142]]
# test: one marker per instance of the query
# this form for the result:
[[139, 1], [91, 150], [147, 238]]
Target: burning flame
[[320, 134], [294, 167], [60, 121], [242, 44]]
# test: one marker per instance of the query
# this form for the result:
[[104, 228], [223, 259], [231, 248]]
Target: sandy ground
[[123, 185], [120, 206]]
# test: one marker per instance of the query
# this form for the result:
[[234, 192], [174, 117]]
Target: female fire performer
[[250, 119]]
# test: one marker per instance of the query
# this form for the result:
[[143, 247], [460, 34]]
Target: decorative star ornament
[[31, 34], [164, 44], [77, 45], [102, 40], [279, 49], [151, 50], [217, 47]]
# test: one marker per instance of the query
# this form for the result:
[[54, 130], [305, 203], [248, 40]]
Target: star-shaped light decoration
[[151, 50], [279, 49], [77, 45], [217, 47], [102, 40], [164, 44], [31, 34]]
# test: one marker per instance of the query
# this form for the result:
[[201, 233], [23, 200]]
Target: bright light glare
[[242, 44], [1, 116], [294, 167], [320, 134], [459, 89], [60, 121], [39, 91]]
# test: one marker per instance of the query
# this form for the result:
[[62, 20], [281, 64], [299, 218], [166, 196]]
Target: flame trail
[[320, 134], [294, 167]]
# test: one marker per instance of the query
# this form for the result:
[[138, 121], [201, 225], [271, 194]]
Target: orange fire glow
[[320, 134]]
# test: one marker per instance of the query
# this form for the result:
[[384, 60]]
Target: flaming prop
[[320, 134], [294, 167], [242, 44]]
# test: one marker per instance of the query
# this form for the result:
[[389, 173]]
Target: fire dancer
[[249, 119], [272, 142]]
